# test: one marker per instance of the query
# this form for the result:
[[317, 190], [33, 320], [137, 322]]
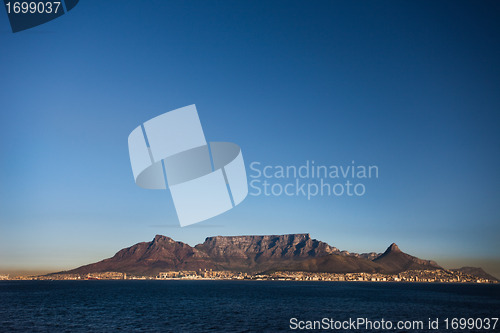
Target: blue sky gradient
[[412, 87]]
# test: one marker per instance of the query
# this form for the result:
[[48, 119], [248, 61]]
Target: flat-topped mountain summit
[[292, 252], [265, 247]]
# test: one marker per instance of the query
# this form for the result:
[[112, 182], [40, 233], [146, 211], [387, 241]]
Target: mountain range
[[253, 254]]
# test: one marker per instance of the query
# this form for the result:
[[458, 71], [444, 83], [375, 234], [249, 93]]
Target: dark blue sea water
[[233, 306]]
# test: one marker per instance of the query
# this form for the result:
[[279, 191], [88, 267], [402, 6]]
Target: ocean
[[244, 306]]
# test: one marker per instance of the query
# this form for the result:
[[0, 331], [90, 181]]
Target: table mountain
[[296, 252]]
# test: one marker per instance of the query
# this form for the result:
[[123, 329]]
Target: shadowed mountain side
[[252, 254], [395, 261], [476, 271], [329, 264], [149, 258]]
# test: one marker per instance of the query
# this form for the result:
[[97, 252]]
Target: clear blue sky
[[412, 87]]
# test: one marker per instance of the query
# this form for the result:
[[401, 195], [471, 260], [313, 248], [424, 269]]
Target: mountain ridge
[[253, 253], [476, 271]]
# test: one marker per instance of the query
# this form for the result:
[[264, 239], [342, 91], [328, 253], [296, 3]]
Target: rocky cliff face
[[265, 247], [252, 254]]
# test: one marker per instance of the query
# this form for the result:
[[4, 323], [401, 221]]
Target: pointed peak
[[393, 248]]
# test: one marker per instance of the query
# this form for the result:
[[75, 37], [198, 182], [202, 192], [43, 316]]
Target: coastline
[[412, 276]]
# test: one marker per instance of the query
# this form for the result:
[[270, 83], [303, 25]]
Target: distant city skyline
[[411, 87]]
